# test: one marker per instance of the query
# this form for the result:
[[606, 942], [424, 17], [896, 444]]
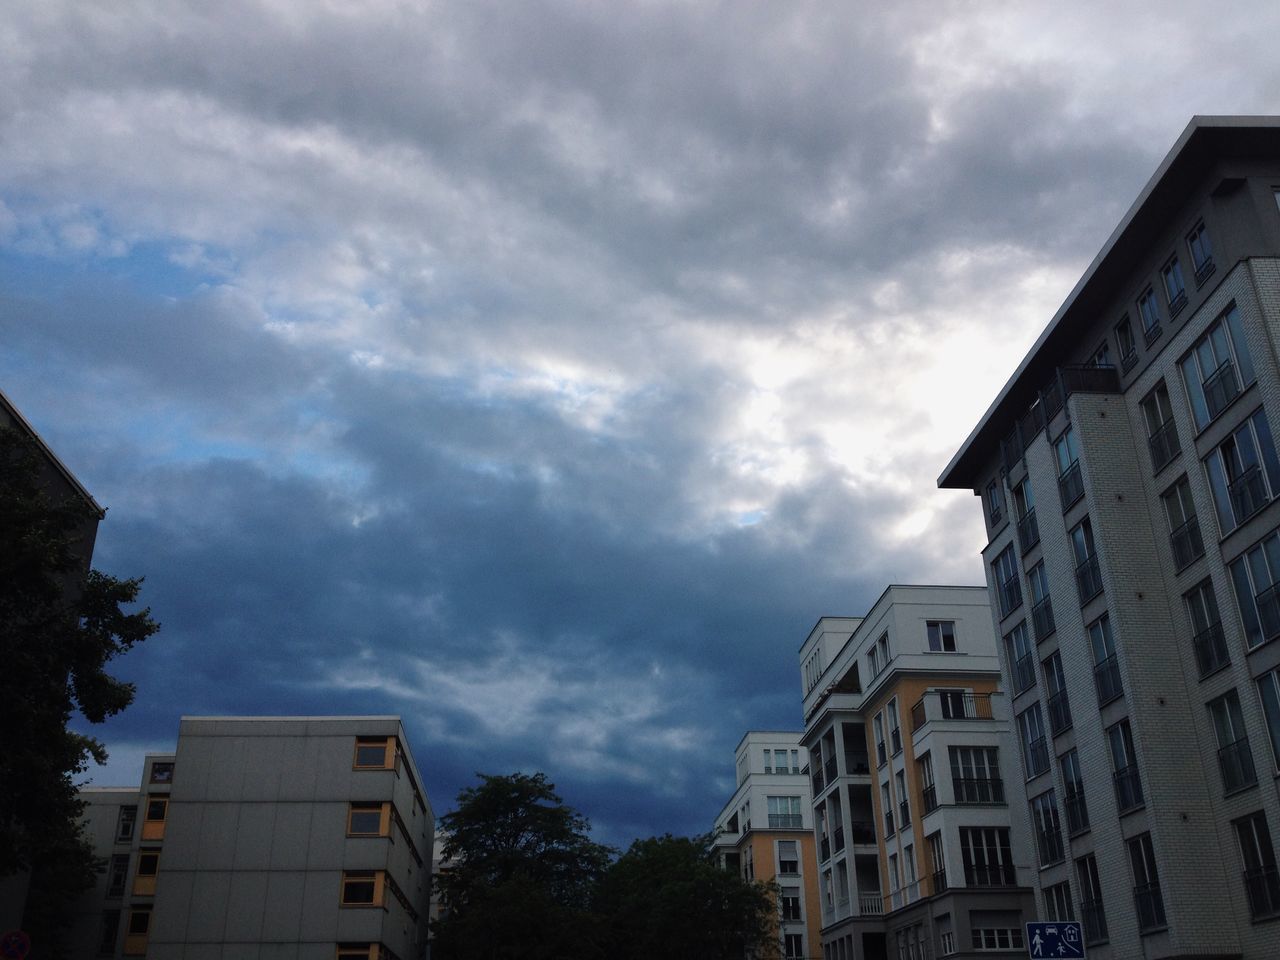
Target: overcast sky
[[542, 371]]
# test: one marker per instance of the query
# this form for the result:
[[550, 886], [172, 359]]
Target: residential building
[[277, 838], [765, 832], [908, 739], [1129, 480]]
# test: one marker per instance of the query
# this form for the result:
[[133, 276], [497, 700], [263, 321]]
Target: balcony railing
[[785, 821], [1164, 445], [939, 881], [904, 815], [1177, 303], [1037, 756], [1211, 649], [1204, 271], [930, 798], [862, 831], [970, 790], [1042, 619], [818, 782], [1236, 763], [1221, 388], [1248, 493], [1059, 713], [829, 769], [1128, 788], [1050, 846], [1088, 579], [995, 875], [837, 839], [1010, 593], [1070, 485], [1106, 677], [1028, 530], [870, 905], [1150, 906], [1024, 673], [1076, 810], [1094, 918], [950, 705], [857, 763], [1089, 378], [1263, 887], [1187, 543]]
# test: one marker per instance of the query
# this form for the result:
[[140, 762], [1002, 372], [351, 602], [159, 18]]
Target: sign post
[[1061, 940]]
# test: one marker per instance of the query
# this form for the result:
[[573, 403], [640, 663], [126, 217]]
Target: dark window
[[1092, 913], [162, 772], [1124, 765], [1206, 628], [1184, 526], [1055, 683], [1041, 607], [1057, 902], [109, 933], [126, 824], [1149, 313], [116, 875], [1218, 368], [1235, 759], [995, 502], [1201, 253], [1125, 343], [1044, 819], [373, 753], [148, 864], [1162, 433], [1244, 472], [1261, 878], [1005, 569], [1021, 659], [942, 635], [1035, 749], [1106, 666], [364, 820], [1088, 572], [986, 856], [1256, 576], [1067, 453], [139, 920], [1073, 797], [1175, 290], [1146, 884], [975, 775]]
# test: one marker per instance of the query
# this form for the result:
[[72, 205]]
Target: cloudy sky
[[541, 371]]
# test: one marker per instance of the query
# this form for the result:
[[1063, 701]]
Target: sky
[[541, 372]]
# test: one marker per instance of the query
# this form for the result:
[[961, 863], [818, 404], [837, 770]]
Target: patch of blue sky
[[154, 268]]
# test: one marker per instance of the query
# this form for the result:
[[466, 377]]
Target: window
[[924, 764], [1041, 609], [1055, 684], [942, 635], [975, 775], [1125, 343], [1269, 688], [882, 648], [1028, 528], [895, 878], [162, 772], [157, 811], [1005, 569], [937, 853], [1217, 369], [904, 809], [1106, 667], [1057, 902], [135, 941], [1201, 253], [1044, 818], [793, 944], [1146, 884], [1206, 628], [1088, 573], [1261, 878], [895, 731], [1184, 528], [1235, 760], [1021, 661], [1067, 452], [1035, 750], [995, 503], [374, 753], [1124, 765], [784, 813], [877, 726], [789, 898], [987, 860], [126, 823], [1256, 576], [116, 874], [886, 804], [1175, 290], [1149, 314], [1162, 433], [109, 932], [144, 880], [1243, 472], [362, 888], [1092, 913], [1101, 357], [368, 819], [788, 858], [842, 881], [997, 938]]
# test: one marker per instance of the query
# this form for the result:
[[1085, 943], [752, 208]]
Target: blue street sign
[[1060, 939]]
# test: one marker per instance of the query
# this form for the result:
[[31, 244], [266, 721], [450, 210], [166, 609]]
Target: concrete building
[[264, 838], [1129, 479], [765, 832], [908, 740]]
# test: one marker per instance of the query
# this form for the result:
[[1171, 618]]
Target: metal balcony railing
[[1248, 493], [1128, 788], [1094, 918], [1042, 619], [1235, 760], [1187, 543], [837, 839], [1010, 593], [1164, 445], [829, 769], [1059, 713], [1089, 378], [1077, 811], [950, 705], [785, 821], [907, 894], [1263, 887], [818, 782], [1211, 649], [1221, 388], [939, 881], [1106, 677], [1070, 485], [994, 875], [1037, 757], [1088, 579], [929, 796], [1150, 906], [1024, 673], [972, 790], [1028, 530], [1204, 271]]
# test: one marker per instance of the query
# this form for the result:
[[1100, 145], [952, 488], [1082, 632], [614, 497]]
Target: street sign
[[1061, 940]]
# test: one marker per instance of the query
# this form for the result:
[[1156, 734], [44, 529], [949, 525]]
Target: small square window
[[139, 921], [148, 864], [365, 820], [162, 772], [942, 636], [361, 888], [125, 825], [157, 809], [374, 753]]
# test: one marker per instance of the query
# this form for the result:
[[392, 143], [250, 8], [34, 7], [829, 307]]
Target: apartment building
[[908, 741], [277, 838], [1129, 479], [765, 833]]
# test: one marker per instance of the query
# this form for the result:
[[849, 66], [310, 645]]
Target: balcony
[[950, 705], [829, 770], [1042, 619], [1164, 445], [930, 798], [1037, 757], [1248, 493], [785, 821], [1150, 906], [1028, 530], [1070, 486], [818, 782], [1221, 388], [974, 791], [870, 905], [1010, 593], [1211, 649], [862, 832], [1088, 378], [1236, 763], [857, 764], [1106, 677], [1088, 579], [1094, 918], [1059, 713], [1187, 544], [1077, 812], [837, 839], [1263, 888], [1128, 789], [1024, 673]]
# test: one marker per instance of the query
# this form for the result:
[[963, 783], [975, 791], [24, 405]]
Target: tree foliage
[[59, 626]]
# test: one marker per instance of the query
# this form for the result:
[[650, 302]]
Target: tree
[[520, 871], [667, 897], [59, 626]]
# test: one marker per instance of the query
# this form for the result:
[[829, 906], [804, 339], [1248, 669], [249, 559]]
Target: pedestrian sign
[[1061, 940]]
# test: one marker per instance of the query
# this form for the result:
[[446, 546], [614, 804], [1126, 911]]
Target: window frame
[[946, 630], [1194, 376], [388, 761]]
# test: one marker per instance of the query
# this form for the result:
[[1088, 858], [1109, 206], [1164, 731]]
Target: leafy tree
[[58, 628], [667, 897], [519, 874]]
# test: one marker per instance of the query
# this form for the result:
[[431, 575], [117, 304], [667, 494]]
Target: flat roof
[[1205, 140]]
